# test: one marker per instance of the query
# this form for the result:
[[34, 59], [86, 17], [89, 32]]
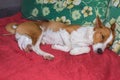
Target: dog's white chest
[[83, 36], [50, 37]]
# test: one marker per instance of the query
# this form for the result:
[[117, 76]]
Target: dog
[[74, 39]]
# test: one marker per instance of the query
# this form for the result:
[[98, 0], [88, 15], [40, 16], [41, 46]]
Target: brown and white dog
[[69, 38]]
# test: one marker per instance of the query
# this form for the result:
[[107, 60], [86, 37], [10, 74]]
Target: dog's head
[[103, 36]]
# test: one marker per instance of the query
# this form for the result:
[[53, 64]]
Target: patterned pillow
[[67, 11], [114, 16]]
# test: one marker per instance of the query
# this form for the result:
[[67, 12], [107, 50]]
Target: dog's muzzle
[[98, 48]]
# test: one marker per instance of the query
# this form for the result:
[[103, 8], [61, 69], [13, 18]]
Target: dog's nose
[[99, 50]]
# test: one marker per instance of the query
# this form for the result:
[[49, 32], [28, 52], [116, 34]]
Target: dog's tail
[[11, 28]]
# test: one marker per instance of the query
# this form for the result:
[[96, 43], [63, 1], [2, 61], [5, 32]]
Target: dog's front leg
[[36, 48], [66, 40], [61, 47], [80, 50]]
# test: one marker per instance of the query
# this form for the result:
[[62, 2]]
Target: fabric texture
[[67, 11], [18, 65]]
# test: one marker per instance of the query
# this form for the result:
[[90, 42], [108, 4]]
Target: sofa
[[16, 64]]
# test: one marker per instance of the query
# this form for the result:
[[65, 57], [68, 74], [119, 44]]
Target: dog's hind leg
[[45, 55], [36, 48]]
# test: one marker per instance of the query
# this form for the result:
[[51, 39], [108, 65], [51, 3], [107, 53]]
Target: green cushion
[[67, 11], [114, 16]]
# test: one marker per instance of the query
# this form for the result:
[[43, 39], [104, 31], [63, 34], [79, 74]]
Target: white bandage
[[23, 41]]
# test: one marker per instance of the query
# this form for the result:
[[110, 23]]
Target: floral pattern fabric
[[67, 11]]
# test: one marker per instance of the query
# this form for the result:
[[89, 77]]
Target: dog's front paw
[[62, 48], [48, 57], [82, 50]]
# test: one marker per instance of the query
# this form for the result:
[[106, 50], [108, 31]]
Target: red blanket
[[18, 65]]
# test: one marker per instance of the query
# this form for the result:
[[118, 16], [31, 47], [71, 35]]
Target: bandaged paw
[[23, 41]]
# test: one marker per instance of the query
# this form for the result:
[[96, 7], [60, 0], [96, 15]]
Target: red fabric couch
[[18, 65]]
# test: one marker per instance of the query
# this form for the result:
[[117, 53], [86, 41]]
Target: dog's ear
[[113, 27], [98, 23]]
